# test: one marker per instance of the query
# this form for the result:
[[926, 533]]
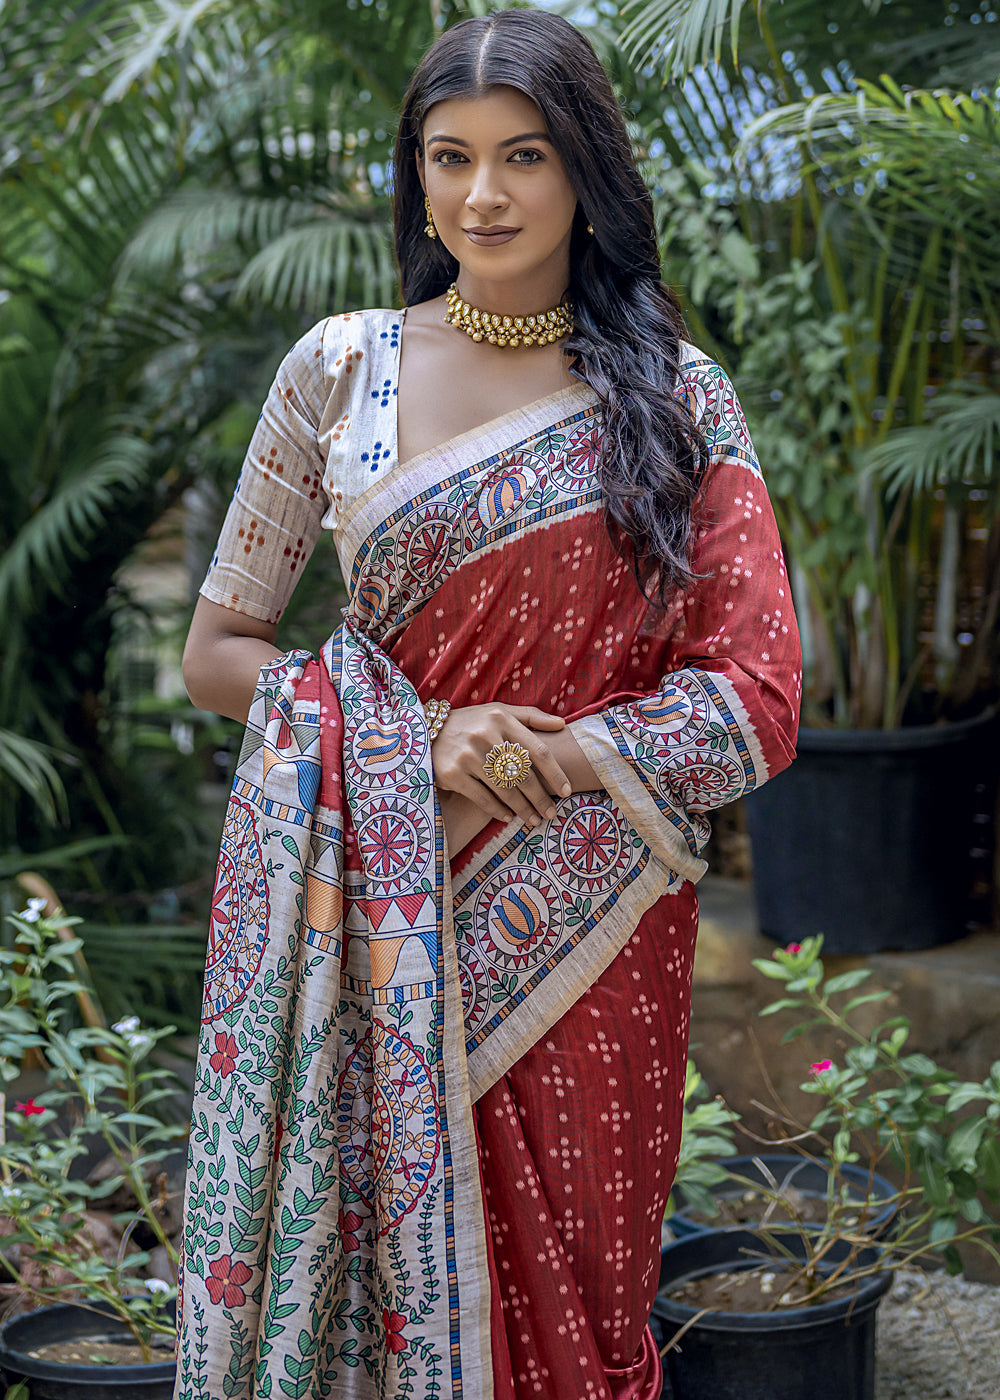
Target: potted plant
[[839, 262], [756, 1312], [115, 1338]]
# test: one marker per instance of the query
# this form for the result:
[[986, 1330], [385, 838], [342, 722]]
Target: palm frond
[[677, 35], [960, 445], [883, 135], [41, 555], [313, 267], [58, 857], [195, 222], [28, 764]]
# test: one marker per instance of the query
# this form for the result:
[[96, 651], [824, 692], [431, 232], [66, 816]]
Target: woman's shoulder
[[342, 341], [695, 364], [712, 401]]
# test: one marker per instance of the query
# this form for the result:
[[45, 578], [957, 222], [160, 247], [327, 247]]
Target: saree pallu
[[438, 1100]]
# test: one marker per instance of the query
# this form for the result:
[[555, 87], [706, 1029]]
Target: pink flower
[[224, 1280], [394, 1322], [28, 1108], [226, 1050], [821, 1067], [793, 948]]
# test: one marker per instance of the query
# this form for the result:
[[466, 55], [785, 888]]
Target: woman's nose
[[486, 191]]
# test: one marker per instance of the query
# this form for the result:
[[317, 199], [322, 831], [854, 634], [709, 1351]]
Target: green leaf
[[774, 970], [963, 1144], [785, 1004], [844, 981], [919, 1064]]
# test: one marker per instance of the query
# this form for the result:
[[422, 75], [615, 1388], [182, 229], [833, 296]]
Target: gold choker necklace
[[543, 328]]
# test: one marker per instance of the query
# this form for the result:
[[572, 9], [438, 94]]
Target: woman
[[446, 1007]]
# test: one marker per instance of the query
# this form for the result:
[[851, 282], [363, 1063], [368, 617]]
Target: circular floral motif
[[674, 713], [589, 849], [705, 780], [520, 918], [575, 467], [238, 925], [394, 839], [429, 543], [387, 1124], [378, 751]]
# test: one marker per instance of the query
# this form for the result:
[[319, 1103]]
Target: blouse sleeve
[[276, 513], [724, 717]]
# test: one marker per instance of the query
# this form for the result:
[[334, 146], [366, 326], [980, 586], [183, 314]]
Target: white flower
[[124, 1027], [34, 911], [157, 1285], [138, 1041]]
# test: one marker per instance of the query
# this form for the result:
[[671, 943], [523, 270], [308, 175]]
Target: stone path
[[938, 1339]]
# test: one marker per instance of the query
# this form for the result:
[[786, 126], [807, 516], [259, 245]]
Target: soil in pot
[[108, 1350], [824, 1351], [759, 1290], [778, 1189], [63, 1352]]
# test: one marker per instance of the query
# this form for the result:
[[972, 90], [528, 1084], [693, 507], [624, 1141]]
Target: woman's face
[[502, 202]]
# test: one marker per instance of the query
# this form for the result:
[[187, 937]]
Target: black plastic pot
[[867, 837], [809, 1178], [824, 1352], [50, 1380]]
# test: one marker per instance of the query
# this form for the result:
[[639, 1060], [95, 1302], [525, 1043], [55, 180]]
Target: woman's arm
[[223, 656]]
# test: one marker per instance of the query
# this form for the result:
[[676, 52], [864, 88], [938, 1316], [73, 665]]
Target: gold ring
[[507, 765]]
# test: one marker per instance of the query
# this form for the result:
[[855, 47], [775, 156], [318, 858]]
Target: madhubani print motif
[[711, 399], [529, 906], [331, 1136], [421, 544], [689, 750]]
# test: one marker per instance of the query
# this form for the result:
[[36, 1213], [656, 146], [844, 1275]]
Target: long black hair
[[628, 325]]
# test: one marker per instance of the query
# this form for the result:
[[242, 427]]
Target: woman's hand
[[466, 738]]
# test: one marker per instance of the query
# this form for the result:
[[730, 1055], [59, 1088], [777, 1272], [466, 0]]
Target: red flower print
[[394, 1322], [28, 1108], [349, 1223], [226, 1050], [224, 1280]]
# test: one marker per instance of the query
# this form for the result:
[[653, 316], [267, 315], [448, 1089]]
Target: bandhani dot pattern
[[438, 1096]]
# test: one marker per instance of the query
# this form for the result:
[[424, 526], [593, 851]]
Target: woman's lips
[[489, 238]]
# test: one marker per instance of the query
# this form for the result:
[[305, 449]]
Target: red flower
[[226, 1050], [224, 1280], [28, 1108], [393, 1322], [794, 948], [349, 1224]]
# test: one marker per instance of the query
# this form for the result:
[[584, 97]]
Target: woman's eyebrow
[[511, 140]]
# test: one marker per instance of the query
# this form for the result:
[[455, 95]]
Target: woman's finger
[[543, 763], [536, 719], [496, 808]]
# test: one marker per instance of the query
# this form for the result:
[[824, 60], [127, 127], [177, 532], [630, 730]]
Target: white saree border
[[334, 1239]]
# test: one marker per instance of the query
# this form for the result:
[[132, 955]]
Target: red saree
[[438, 1100]]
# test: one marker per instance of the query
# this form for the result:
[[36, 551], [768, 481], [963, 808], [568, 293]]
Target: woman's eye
[[527, 157], [448, 157]]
